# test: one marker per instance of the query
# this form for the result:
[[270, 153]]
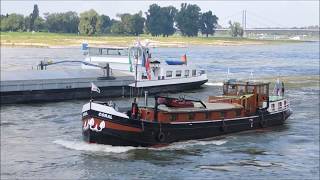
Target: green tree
[[13, 22], [33, 16], [39, 24], [63, 22], [136, 24], [103, 24], [131, 24], [188, 19], [88, 22], [168, 15], [235, 29], [70, 22], [117, 28], [208, 23], [27, 20], [160, 20], [154, 19]]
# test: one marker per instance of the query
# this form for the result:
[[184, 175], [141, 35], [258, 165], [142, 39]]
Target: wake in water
[[214, 84], [84, 146]]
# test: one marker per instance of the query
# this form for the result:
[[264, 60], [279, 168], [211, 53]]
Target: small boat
[[243, 106]]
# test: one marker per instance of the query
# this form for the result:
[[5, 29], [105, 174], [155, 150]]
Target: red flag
[[147, 65], [184, 58]]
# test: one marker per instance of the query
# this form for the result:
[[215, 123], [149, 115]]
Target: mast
[[136, 78]]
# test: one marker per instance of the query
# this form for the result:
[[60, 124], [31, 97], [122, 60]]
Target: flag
[[184, 58], [95, 88], [143, 63], [147, 65], [130, 62]]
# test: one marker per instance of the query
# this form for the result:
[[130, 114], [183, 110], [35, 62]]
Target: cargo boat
[[243, 106]]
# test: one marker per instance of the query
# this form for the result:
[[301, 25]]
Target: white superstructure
[[150, 71]]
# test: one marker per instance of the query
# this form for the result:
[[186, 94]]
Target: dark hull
[[51, 95], [151, 135]]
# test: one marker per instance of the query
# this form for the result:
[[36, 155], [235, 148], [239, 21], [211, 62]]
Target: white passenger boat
[[151, 72]]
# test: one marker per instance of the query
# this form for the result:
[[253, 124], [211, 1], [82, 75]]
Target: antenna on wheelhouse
[[251, 78], [228, 73]]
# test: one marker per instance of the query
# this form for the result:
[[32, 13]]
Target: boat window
[[144, 76], [207, 115], [173, 117], [222, 114], [232, 89], [238, 113], [191, 116], [194, 72], [241, 90], [186, 73], [108, 52], [272, 106], [178, 73], [285, 103], [169, 74], [250, 89], [280, 105]]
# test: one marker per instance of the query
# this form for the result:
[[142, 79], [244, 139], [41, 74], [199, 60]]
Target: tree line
[[159, 21]]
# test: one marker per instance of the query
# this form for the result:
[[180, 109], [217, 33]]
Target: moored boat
[[243, 106], [152, 74]]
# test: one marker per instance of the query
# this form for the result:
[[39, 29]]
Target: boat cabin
[[173, 110], [251, 95]]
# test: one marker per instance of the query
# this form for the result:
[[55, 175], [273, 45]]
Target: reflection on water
[[40, 141]]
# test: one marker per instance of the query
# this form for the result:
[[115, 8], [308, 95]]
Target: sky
[[259, 13]]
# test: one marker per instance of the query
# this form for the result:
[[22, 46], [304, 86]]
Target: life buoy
[[161, 137]]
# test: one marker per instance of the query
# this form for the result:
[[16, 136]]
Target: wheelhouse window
[[194, 72], [207, 114], [191, 116], [143, 76], [178, 73], [186, 73], [169, 74], [173, 117], [222, 114], [238, 113]]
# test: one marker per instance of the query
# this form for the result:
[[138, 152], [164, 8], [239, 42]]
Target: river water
[[43, 141]]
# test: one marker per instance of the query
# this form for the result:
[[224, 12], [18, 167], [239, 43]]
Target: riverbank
[[56, 40]]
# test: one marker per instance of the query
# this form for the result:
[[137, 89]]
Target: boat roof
[[252, 83], [234, 97], [199, 108], [108, 47]]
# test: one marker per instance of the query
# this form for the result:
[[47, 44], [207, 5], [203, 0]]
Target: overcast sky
[[259, 13]]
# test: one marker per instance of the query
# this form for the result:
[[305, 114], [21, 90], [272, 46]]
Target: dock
[[56, 85]]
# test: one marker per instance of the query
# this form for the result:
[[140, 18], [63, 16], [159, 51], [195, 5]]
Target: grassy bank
[[40, 39]]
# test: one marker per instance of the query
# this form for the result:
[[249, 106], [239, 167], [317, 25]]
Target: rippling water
[[43, 141]]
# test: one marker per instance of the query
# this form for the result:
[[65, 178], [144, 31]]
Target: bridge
[[256, 24]]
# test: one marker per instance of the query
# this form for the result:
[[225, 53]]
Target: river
[[43, 140]]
